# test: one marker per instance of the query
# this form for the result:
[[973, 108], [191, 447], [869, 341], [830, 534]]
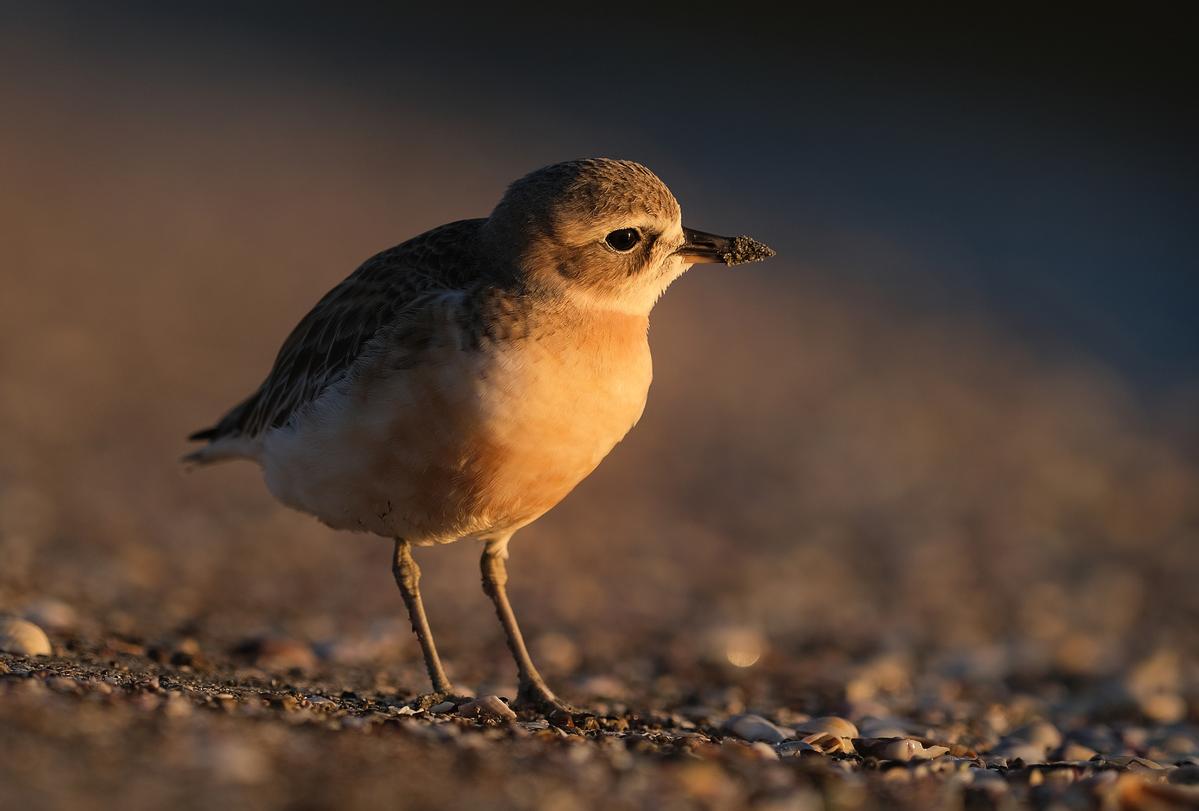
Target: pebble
[[982, 777], [882, 728], [1011, 750], [490, 706], [1038, 733], [832, 725], [751, 727], [764, 750], [23, 637], [901, 749], [63, 684], [1185, 776], [1164, 708], [49, 613], [794, 748], [1075, 751], [699, 713], [177, 706], [237, 761], [445, 706], [1179, 744], [278, 653]]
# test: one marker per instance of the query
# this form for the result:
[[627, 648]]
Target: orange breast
[[553, 407]]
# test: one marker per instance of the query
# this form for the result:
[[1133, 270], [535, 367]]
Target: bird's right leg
[[407, 575]]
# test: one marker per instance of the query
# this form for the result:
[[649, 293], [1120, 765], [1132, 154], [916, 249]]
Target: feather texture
[[389, 287]]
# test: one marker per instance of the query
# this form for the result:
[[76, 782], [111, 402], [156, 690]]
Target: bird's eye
[[623, 240]]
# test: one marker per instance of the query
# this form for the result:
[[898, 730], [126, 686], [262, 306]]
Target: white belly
[[467, 444]]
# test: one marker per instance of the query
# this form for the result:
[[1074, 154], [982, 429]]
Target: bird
[[459, 385]]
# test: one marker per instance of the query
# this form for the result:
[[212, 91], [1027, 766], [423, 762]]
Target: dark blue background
[[1037, 170]]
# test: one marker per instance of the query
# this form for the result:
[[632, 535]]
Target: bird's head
[[604, 232]]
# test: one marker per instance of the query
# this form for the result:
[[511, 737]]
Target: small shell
[[23, 637], [832, 724], [829, 744], [750, 727], [487, 707]]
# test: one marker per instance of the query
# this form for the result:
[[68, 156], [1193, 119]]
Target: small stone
[[1185, 776], [62, 684], [1164, 708], [1038, 733], [764, 750], [445, 706], [490, 706], [882, 728], [1011, 750], [794, 748], [237, 761], [901, 749], [751, 727], [561, 719], [49, 613], [177, 706], [1180, 745], [1075, 751], [277, 653], [23, 637], [993, 781], [698, 713]]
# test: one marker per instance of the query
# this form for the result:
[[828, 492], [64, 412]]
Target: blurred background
[[956, 417]]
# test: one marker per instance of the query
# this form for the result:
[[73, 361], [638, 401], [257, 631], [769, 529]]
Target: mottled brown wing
[[327, 341]]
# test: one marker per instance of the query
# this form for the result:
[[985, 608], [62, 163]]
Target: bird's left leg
[[532, 691]]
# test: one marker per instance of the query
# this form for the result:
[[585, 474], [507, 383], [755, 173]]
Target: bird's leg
[[407, 575], [532, 691]]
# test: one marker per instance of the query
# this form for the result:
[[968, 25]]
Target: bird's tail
[[219, 448]]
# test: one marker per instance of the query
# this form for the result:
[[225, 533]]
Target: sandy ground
[[835, 505]]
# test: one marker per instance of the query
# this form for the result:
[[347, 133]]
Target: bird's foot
[[537, 700], [426, 701]]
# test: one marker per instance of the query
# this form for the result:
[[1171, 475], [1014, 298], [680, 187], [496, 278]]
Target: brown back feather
[[327, 341]]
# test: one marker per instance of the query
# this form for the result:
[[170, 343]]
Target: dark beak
[[703, 247]]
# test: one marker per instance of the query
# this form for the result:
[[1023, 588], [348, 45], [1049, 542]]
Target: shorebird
[[460, 384]]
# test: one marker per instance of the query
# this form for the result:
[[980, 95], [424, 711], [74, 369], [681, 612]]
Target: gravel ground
[[118, 722]]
